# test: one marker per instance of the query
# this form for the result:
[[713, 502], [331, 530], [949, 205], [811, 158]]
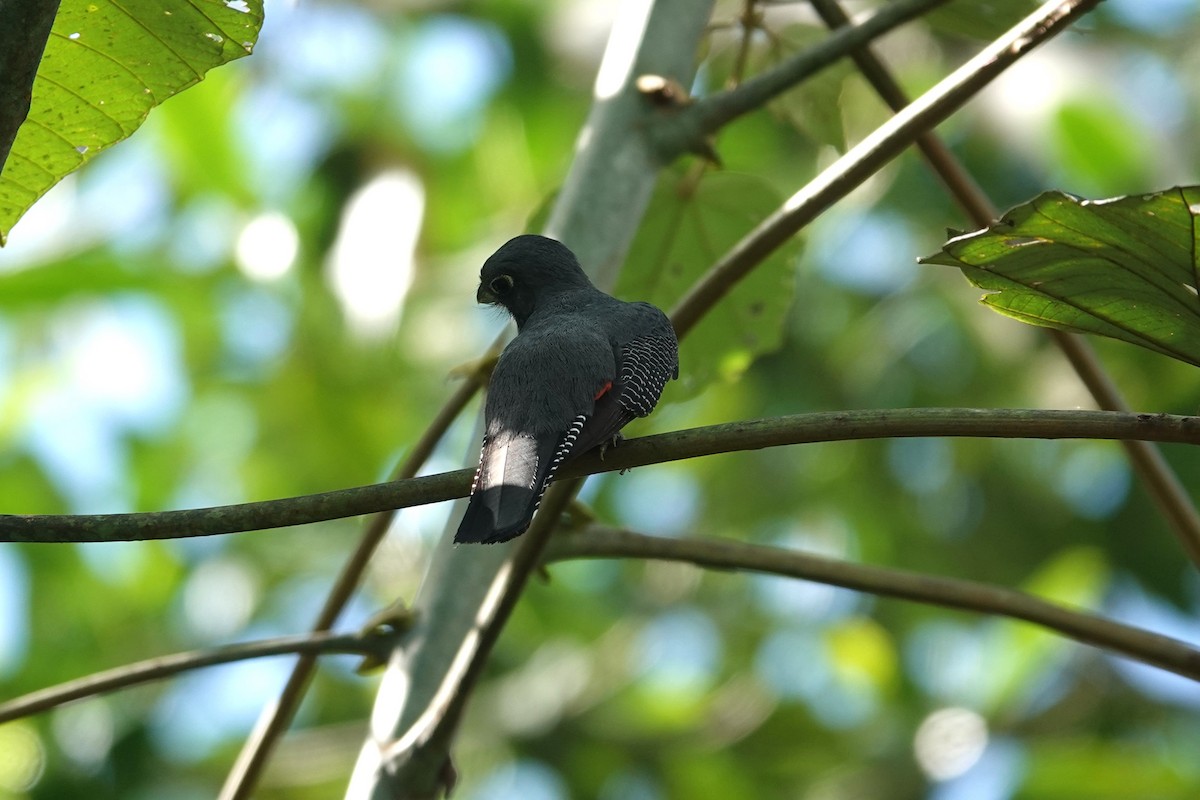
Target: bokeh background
[[264, 291]]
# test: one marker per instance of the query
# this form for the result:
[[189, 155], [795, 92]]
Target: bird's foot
[[616, 439]]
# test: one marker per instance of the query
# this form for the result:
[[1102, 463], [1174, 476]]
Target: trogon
[[582, 365]]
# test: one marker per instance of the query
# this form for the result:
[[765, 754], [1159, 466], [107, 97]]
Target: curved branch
[[691, 443], [370, 643], [1155, 649]]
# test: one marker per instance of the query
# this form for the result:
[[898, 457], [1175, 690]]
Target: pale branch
[[729, 437], [1160, 481], [424, 746], [374, 643], [1155, 649], [863, 160], [679, 132], [277, 716]]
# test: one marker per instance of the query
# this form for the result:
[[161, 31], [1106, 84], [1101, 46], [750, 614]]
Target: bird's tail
[[507, 488]]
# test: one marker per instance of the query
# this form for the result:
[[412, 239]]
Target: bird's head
[[527, 270]]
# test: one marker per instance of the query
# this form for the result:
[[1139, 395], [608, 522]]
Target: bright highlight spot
[[266, 248], [22, 758], [949, 742], [371, 265], [622, 47]]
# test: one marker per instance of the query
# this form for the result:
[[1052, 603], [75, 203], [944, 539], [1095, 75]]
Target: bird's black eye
[[500, 285]]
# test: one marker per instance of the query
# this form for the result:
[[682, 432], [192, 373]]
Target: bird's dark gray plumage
[[583, 364]]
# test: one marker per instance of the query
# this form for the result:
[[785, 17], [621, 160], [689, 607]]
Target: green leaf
[[106, 66], [689, 226], [1123, 268]]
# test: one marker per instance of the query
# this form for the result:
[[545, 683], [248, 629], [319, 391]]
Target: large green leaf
[[1124, 268], [106, 65], [689, 226]]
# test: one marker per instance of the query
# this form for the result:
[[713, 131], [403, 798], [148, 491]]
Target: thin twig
[[1160, 651], [152, 669], [1160, 481], [868, 156], [827, 426]]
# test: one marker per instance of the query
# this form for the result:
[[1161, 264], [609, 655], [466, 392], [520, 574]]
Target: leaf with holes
[[690, 225], [106, 65], [1124, 268]]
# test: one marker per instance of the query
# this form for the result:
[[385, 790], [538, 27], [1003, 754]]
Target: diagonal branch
[[367, 643], [675, 134], [1151, 648], [888, 141], [829, 426], [1160, 481]]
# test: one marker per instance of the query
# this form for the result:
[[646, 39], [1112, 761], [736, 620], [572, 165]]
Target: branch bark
[[1151, 648], [729, 437]]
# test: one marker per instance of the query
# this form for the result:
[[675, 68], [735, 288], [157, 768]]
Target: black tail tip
[[476, 535]]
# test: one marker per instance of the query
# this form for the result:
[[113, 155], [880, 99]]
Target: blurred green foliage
[[177, 328]]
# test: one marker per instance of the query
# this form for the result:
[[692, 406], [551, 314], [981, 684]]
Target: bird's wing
[[644, 365]]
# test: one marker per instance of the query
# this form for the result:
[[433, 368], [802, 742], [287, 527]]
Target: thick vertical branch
[[597, 214]]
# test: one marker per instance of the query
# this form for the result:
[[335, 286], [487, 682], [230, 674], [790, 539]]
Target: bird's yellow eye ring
[[500, 285]]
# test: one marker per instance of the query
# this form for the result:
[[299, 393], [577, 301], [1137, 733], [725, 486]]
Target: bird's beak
[[484, 295]]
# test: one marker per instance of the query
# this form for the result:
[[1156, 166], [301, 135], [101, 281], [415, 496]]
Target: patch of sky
[[1131, 604], [868, 252], [662, 501], [116, 563], [790, 599], [322, 47], [450, 68], [201, 710], [526, 779], [202, 237], [124, 197], [996, 775], [921, 465], [283, 135], [14, 610], [945, 659], [1150, 87], [678, 650], [116, 371], [794, 663], [1094, 480], [256, 328], [1153, 16]]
